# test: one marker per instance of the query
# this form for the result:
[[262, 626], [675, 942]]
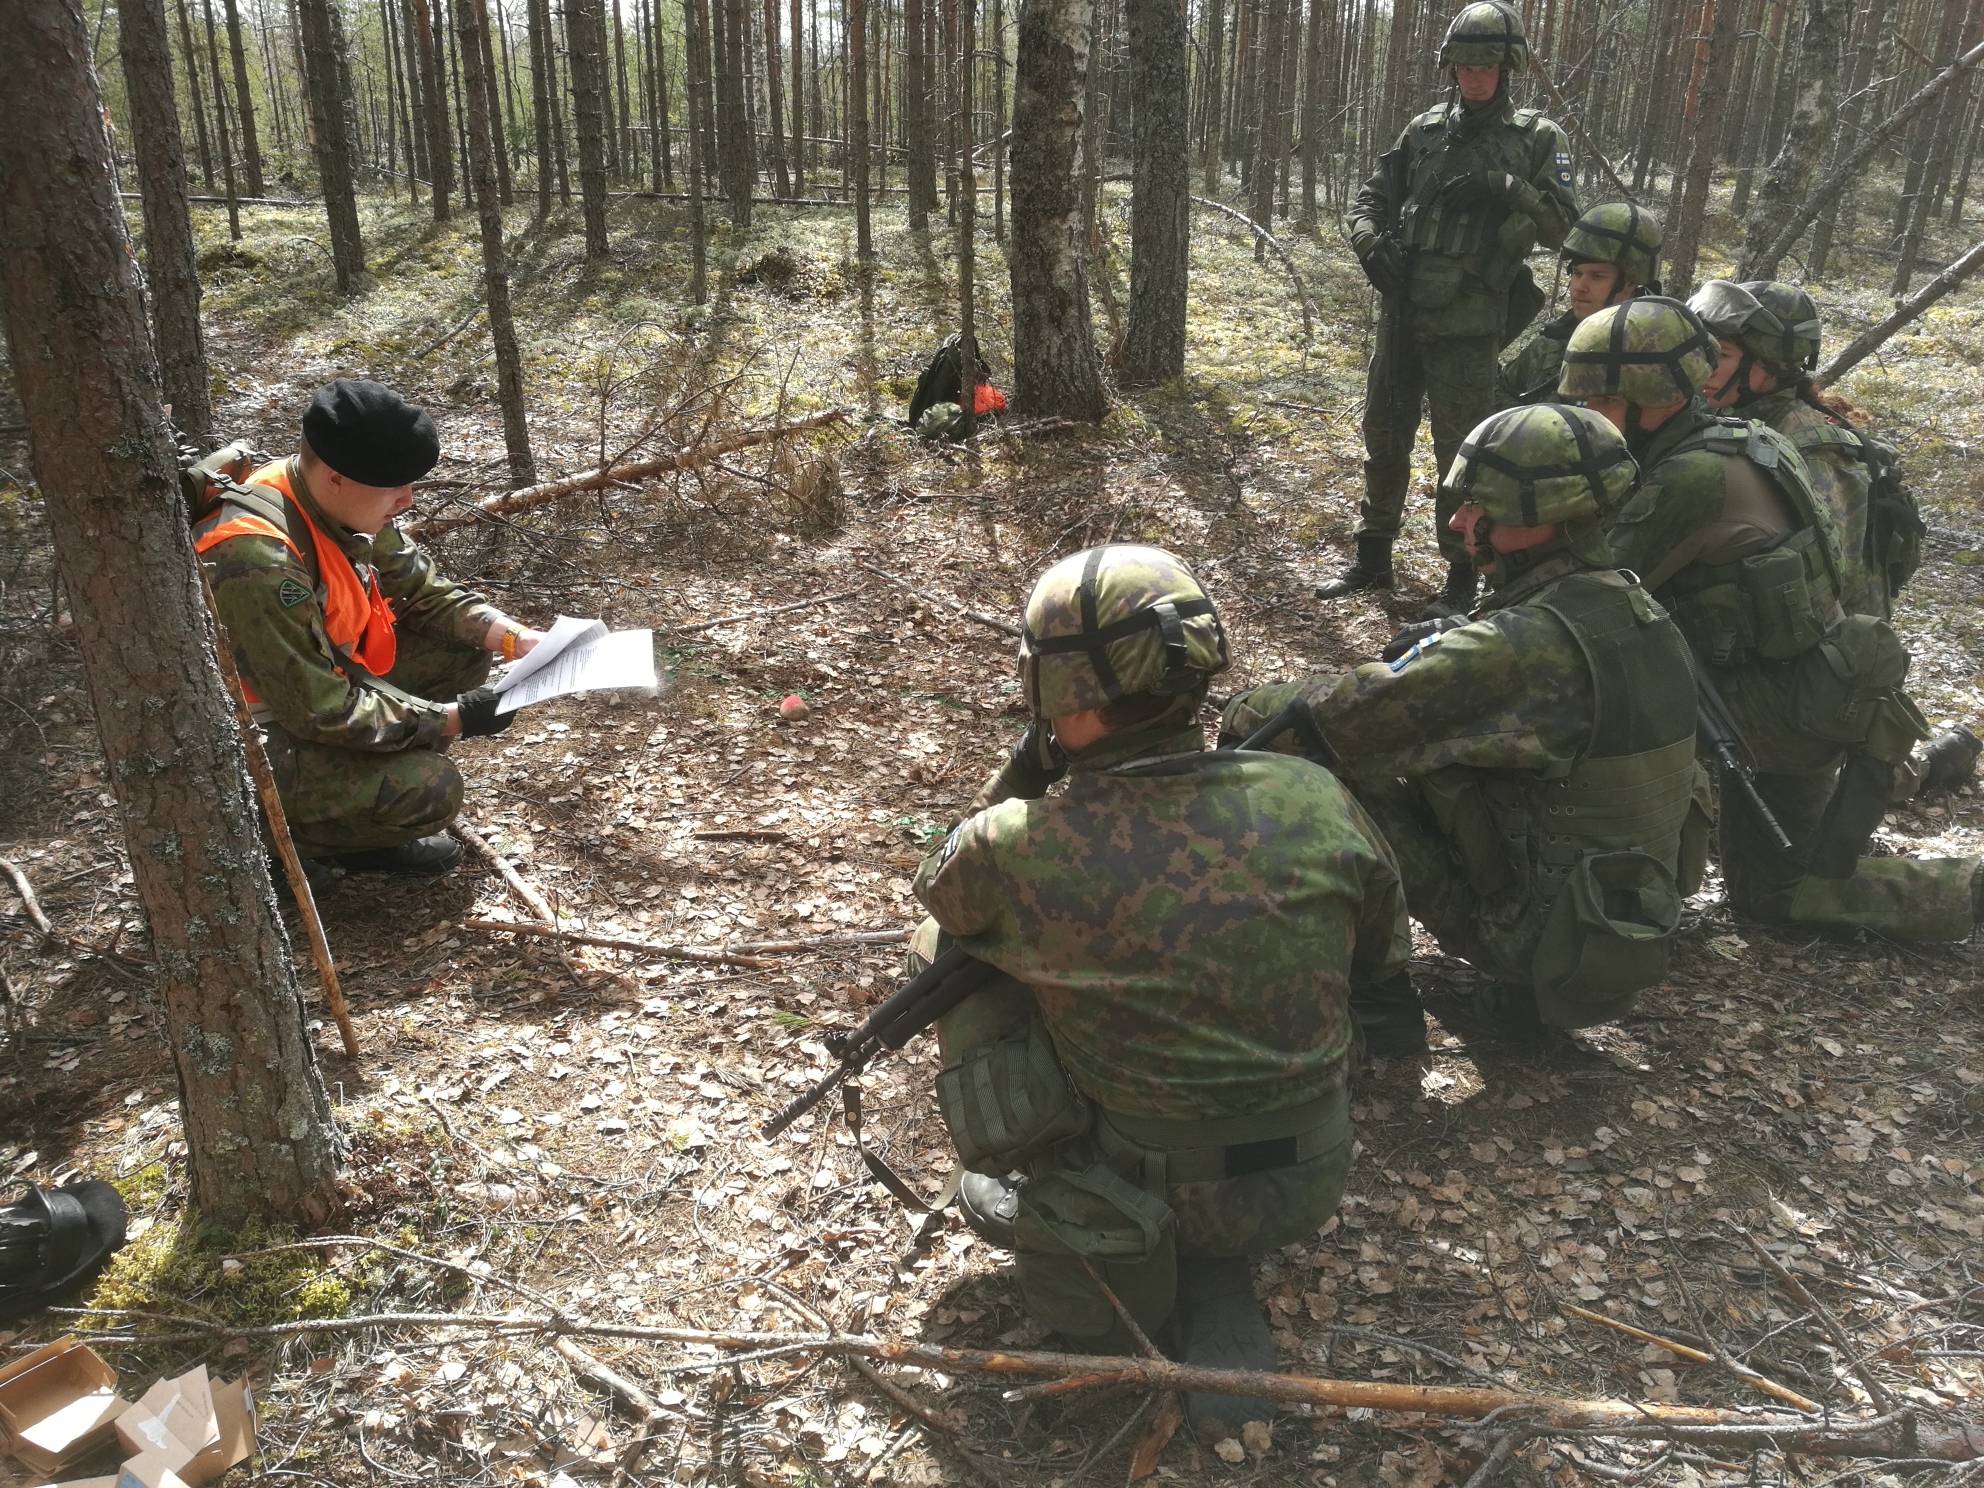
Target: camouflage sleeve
[[1509, 692], [1523, 371], [1373, 208], [1671, 514], [1546, 197], [1384, 930], [425, 598], [963, 887], [276, 626]]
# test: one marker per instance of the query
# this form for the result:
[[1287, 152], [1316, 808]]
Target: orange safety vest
[[356, 616]]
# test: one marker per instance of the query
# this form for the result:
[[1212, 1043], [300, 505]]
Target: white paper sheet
[[583, 656]]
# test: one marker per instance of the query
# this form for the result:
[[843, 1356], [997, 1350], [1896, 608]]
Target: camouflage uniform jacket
[[1460, 262], [273, 608], [1530, 376], [1189, 922], [1835, 460]]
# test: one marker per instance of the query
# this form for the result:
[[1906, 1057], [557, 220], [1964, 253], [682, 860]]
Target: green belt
[[1195, 1151]]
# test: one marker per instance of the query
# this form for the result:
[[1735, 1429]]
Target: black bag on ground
[[942, 380]]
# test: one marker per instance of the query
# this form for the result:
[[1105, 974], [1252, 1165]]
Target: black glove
[[1472, 191], [479, 715], [1383, 259], [1413, 634], [1036, 763]]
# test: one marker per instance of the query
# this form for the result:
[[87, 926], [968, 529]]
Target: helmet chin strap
[[1739, 377]]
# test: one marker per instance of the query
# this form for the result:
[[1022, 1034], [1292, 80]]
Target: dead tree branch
[[936, 601], [1871, 339]]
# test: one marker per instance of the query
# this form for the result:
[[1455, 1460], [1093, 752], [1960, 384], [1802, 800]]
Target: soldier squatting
[[1190, 950]]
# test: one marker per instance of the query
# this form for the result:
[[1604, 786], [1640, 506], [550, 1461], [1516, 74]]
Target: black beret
[[368, 433]]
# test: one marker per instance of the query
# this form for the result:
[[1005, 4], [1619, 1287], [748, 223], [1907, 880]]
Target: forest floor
[[591, 1131]]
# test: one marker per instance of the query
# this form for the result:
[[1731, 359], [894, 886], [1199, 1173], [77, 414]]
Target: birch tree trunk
[[1054, 370], [170, 268], [1813, 114], [1161, 188], [257, 1121]]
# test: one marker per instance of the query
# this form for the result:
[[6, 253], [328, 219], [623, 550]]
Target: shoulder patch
[[291, 594]]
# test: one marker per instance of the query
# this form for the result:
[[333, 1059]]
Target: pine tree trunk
[[620, 139], [472, 21], [509, 149], [695, 32], [968, 370], [735, 155], [1865, 54], [397, 93], [434, 109], [251, 144], [1161, 193], [500, 156], [170, 270], [775, 101], [221, 136], [1214, 135], [584, 27], [917, 133], [999, 119], [1941, 131], [257, 1121], [857, 126], [193, 98], [1312, 110], [333, 146], [1054, 370], [537, 33], [1812, 118], [560, 101], [1267, 122], [799, 150], [1684, 233]]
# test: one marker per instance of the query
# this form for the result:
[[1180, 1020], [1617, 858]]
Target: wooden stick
[[271, 798], [743, 615], [619, 943], [1741, 1371], [938, 602], [1870, 340], [820, 942], [125, 966], [525, 890], [26, 891], [1274, 246], [612, 1382], [1876, 1392], [634, 470]]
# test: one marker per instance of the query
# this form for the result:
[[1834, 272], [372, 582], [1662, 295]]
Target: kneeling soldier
[[360, 659], [1156, 1087], [1534, 768]]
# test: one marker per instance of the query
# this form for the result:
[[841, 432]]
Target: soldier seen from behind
[[1442, 229], [1610, 254], [362, 662], [1729, 534], [1156, 1086], [1533, 769]]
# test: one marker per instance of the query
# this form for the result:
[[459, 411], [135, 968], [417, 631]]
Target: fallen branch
[[1005, 626], [1876, 1391], [1871, 339], [804, 604], [1301, 291], [1741, 1371], [525, 890], [613, 1383], [1907, 1432], [634, 470], [26, 890], [620, 943], [125, 966]]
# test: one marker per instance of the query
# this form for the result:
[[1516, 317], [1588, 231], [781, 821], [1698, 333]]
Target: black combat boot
[[1370, 569], [1949, 760], [1219, 1325], [1457, 597], [425, 857], [1510, 1009], [1389, 1015], [989, 1206]]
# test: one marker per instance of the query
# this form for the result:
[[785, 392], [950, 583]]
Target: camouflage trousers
[[353, 800], [1454, 377], [1248, 1210]]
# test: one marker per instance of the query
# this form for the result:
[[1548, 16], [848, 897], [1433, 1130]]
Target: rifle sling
[[880, 1171]]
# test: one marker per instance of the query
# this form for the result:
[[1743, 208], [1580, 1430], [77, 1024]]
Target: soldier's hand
[[1037, 762], [1413, 634], [1467, 192], [1383, 261], [478, 715]]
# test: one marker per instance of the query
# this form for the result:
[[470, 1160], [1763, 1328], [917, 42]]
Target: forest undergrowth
[[582, 1121]]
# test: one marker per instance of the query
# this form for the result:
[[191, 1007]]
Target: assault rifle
[[930, 994], [1716, 732]]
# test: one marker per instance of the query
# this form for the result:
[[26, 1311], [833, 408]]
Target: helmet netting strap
[[1167, 617]]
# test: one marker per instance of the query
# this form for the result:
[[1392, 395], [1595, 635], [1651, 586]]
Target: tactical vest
[[1433, 226], [357, 617], [1775, 604], [1586, 859]]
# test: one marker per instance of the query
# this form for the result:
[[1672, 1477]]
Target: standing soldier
[[1442, 229], [1727, 533], [1533, 769], [1157, 1087], [1611, 254]]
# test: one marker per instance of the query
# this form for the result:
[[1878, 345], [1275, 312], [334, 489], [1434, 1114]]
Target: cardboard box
[[187, 1430], [57, 1404]]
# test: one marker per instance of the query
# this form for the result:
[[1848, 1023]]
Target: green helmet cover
[[1543, 462], [1776, 323], [1486, 33], [1113, 621], [1617, 233], [1650, 351]]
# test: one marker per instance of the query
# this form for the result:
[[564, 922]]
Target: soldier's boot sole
[[1219, 1325]]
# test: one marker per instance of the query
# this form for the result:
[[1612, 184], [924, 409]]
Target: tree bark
[[735, 158], [1214, 137], [1847, 125], [1871, 339], [440, 153], [917, 132], [1312, 109], [1935, 166], [170, 270], [398, 95], [1161, 190], [857, 125], [1054, 369], [968, 373], [537, 32], [472, 21], [799, 103], [501, 156], [221, 137], [1684, 232], [619, 156], [251, 144], [775, 101], [333, 145], [584, 28], [193, 98], [257, 1121], [695, 33], [1812, 117]]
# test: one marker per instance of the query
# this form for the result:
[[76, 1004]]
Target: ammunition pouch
[[1605, 939], [1848, 691], [1459, 805], [1432, 280], [1071, 1221], [1770, 606], [1008, 1100]]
